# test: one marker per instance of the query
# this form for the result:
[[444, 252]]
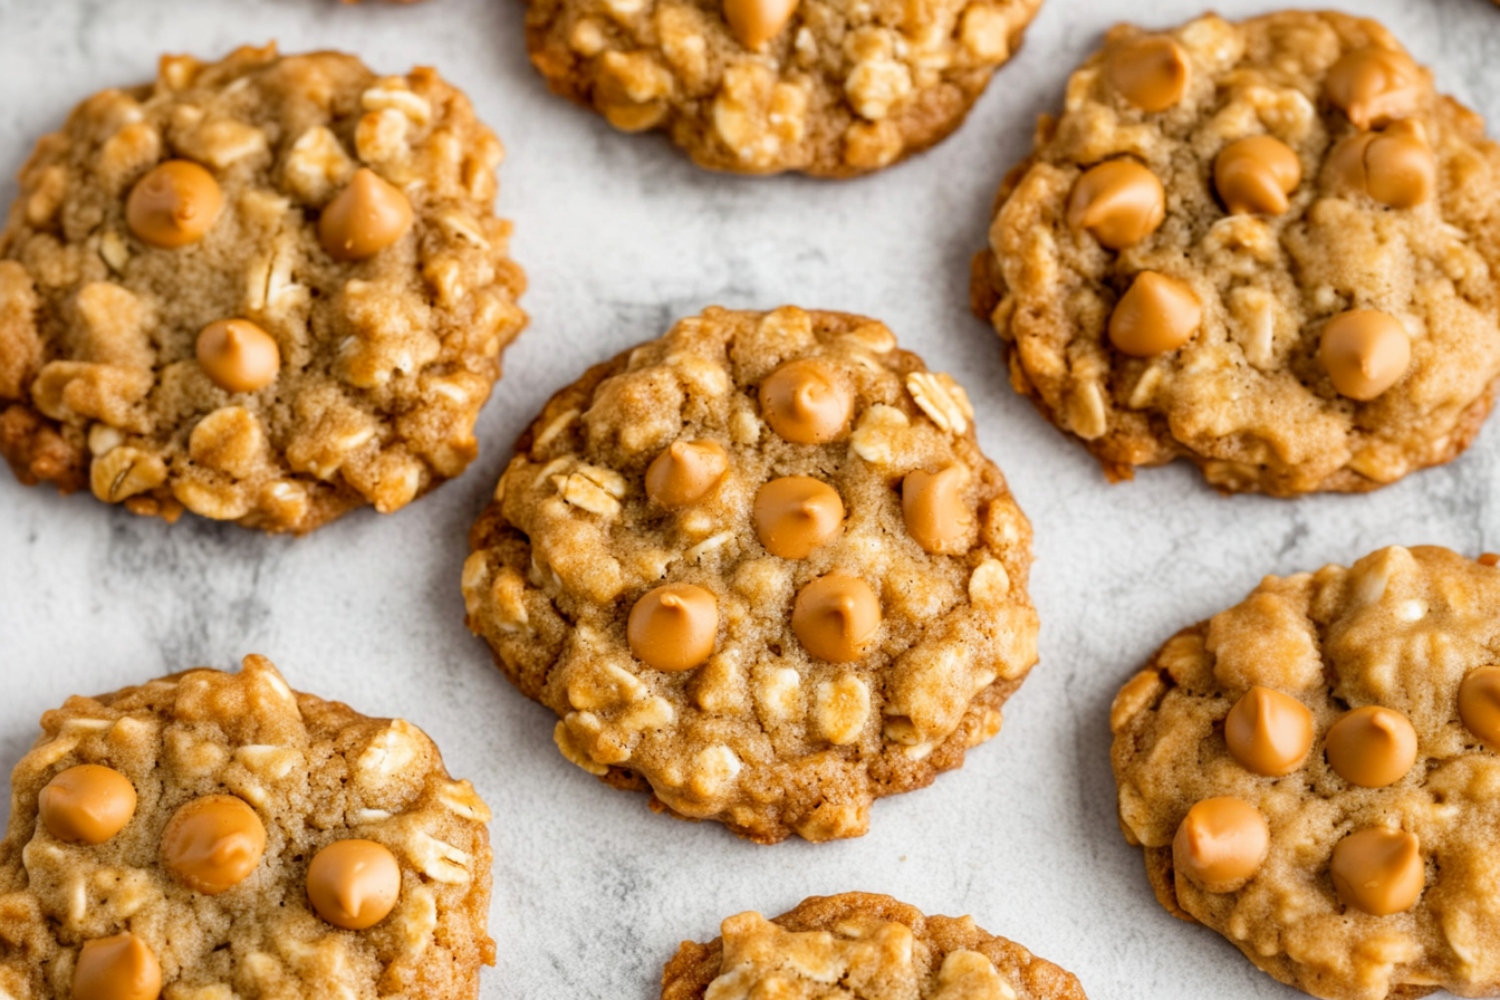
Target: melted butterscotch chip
[[934, 509], [1406, 636], [1293, 227], [1268, 732], [87, 804], [836, 617], [685, 472], [854, 612], [369, 215], [1158, 314], [1376, 85], [1396, 167], [1149, 72], [176, 204], [354, 884], [756, 22], [362, 382], [806, 402], [860, 946], [213, 843], [1378, 871], [1479, 699], [1120, 202], [238, 356], [1372, 746], [1255, 175], [1365, 352], [674, 627], [794, 515], [332, 833], [1221, 843], [122, 967]]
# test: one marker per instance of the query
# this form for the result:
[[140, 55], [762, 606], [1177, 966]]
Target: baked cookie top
[[761, 567], [1268, 247], [831, 88], [267, 290], [212, 833], [860, 946], [1312, 772]]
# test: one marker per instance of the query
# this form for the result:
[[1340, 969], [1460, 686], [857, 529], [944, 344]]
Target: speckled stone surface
[[619, 235]]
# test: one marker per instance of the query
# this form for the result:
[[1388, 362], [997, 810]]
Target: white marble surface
[[620, 235]]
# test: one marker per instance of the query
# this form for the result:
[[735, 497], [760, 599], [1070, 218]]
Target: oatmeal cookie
[[266, 290], [1267, 247], [760, 567], [212, 834], [861, 946], [832, 88], [1312, 774]]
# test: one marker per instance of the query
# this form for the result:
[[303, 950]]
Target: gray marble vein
[[619, 235]]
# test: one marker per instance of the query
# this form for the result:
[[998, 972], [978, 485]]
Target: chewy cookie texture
[[1267, 247], [210, 835], [860, 946], [266, 290], [831, 88], [760, 567], [1312, 774]]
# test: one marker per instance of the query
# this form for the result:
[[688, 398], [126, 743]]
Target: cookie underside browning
[[384, 362], [1247, 398], [315, 773], [1401, 629], [763, 736], [911, 967], [841, 89]]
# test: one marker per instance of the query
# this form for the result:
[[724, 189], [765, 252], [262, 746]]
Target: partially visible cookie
[[266, 290], [1267, 247], [832, 88], [210, 835], [760, 567], [1313, 774], [860, 946]]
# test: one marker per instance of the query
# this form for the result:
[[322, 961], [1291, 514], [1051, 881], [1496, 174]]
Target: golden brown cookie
[[760, 567], [1311, 773], [860, 946], [832, 88], [266, 290], [1268, 247], [210, 834]]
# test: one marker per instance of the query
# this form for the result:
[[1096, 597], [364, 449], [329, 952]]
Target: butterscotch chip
[[831, 89], [1309, 168], [1378, 871], [1479, 699], [1221, 843], [119, 967], [1378, 843], [266, 290], [175, 204], [1365, 352], [822, 646], [865, 947], [354, 884], [86, 804], [684, 472], [234, 877], [1156, 315], [1268, 732], [1120, 202]]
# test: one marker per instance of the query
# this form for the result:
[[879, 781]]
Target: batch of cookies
[[759, 567]]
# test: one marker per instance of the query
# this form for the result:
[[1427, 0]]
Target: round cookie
[[1267, 247], [266, 290], [1310, 774], [831, 88], [869, 947], [243, 838], [828, 606]]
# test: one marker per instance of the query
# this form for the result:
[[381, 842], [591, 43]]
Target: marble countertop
[[620, 235]]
